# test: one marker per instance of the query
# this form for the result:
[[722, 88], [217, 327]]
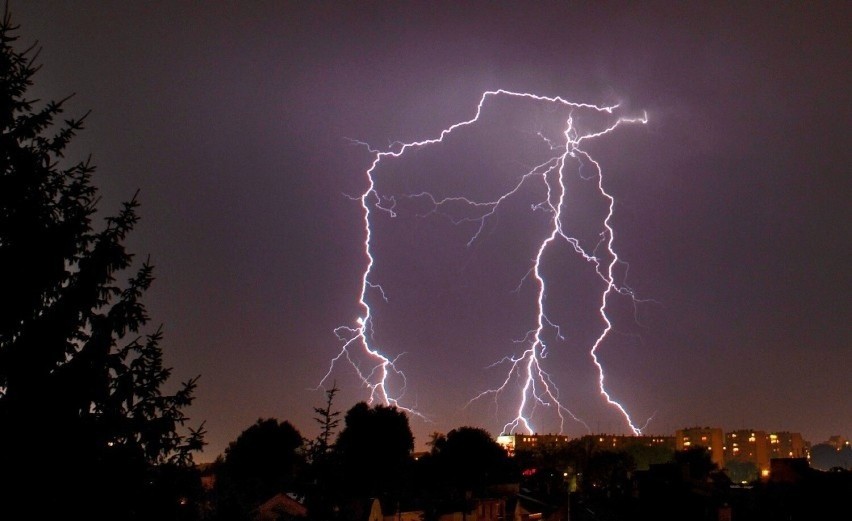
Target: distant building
[[838, 442], [747, 445], [787, 445], [613, 442], [788, 470], [515, 442], [710, 438], [618, 442]]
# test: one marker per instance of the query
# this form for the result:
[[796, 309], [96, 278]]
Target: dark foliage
[[742, 471], [83, 417], [689, 488], [264, 460], [608, 474], [696, 462], [373, 453], [464, 464], [645, 456], [328, 421], [318, 479], [470, 461], [827, 457]]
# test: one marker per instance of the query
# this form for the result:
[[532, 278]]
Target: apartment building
[[711, 438]]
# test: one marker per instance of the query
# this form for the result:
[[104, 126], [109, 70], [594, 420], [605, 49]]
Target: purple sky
[[234, 121]]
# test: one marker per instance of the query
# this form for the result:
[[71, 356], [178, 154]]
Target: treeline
[[369, 456], [368, 453]]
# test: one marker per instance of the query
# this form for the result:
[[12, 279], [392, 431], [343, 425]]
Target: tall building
[[710, 438], [787, 445], [838, 442], [750, 446]]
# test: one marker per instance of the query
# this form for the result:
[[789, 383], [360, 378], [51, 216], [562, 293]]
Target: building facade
[[710, 438], [613, 442], [514, 442], [741, 446], [618, 442], [787, 445], [749, 446]]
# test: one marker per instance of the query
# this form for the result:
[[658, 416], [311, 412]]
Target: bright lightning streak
[[537, 389]]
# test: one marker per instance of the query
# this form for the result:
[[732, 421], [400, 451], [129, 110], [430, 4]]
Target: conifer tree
[[319, 479], [83, 418], [328, 421]]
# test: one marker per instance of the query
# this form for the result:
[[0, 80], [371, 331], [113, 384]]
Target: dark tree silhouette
[[470, 460], [696, 462], [328, 421], [608, 474], [462, 465], [690, 487], [373, 452], [645, 456], [82, 416], [263, 461], [825, 456], [319, 474], [740, 471]]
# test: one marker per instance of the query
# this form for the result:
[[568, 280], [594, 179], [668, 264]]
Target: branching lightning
[[537, 389]]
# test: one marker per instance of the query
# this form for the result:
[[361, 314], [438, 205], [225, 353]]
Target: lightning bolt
[[537, 389]]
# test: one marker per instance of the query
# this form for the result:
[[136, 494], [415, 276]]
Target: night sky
[[235, 121]]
